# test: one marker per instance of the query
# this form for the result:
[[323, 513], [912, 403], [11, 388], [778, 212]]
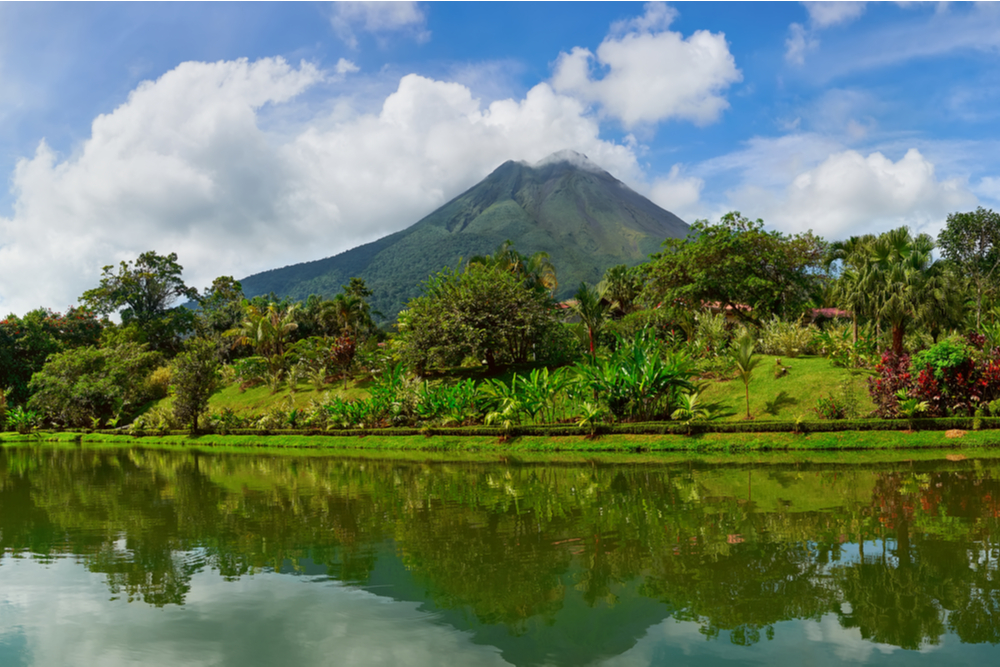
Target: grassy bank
[[707, 442], [784, 396], [784, 389]]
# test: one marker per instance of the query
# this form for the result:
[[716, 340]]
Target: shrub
[[836, 343], [639, 381], [787, 339], [944, 357], [828, 408], [159, 382], [250, 371], [226, 421], [893, 375], [710, 334], [21, 420], [79, 385], [159, 419]]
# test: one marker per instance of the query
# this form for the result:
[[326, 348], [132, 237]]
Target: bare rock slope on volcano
[[565, 205]]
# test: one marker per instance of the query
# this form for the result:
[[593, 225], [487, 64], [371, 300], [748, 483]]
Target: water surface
[[162, 557]]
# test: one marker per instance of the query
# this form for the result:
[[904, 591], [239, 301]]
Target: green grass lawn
[[791, 395], [257, 400], [783, 398]]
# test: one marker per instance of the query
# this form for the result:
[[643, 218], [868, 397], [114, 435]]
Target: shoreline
[[621, 444]]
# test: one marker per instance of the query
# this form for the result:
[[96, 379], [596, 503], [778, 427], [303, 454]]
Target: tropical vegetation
[[487, 342]]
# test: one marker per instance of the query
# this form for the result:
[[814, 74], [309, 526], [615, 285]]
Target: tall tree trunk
[[897, 338]]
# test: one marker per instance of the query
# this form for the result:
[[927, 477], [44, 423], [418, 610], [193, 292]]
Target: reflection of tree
[[743, 591], [734, 548], [890, 604]]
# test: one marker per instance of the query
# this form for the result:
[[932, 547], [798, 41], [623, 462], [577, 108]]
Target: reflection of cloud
[[823, 643], [847, 643], [63, 614]]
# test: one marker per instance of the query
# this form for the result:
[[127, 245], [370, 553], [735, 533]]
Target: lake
[[177, 557]]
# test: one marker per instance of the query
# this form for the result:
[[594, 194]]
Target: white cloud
[[822, 15], [185, 166], [345, 66], [652, 74], [826, 14], [922, 34], [848, 193], [378, 18], [679, 194], [658, 17], [799, 42]]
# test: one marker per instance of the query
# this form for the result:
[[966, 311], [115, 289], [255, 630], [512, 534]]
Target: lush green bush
[[485, 312], [836, 343], [787, 339], [78, 386], [195, 377], [639, 381]]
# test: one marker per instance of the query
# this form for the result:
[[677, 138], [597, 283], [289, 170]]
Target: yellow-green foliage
[[159, 382], [787, 394]]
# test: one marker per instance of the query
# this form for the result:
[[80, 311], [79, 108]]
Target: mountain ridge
[[565, 205]]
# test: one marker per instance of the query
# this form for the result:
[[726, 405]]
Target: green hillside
[[584, 218]]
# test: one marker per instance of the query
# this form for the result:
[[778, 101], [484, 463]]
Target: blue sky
[[250, 136]]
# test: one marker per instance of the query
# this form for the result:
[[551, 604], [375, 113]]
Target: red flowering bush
[[954, 378], [893, 375]]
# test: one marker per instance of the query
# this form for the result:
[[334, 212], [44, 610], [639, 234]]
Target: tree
[[743, 359], [853, 254], [195, 378], [971, 241], [267, 330], [26, 342], [621, 287], [88, 383], [737, 264], [589, 305], [536, 271], [897, 277], [220, 307], [347, 313], [485, 312], [144, 293]]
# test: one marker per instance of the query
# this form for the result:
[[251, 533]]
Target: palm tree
[[743, 359], [621, 286], [896, 277], [266, 329], [589, 304], [853, 254], [537, 271]]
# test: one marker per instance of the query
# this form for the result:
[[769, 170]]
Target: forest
[[911, 322]]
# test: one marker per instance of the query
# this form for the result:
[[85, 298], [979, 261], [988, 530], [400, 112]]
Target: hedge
[[643, 428]]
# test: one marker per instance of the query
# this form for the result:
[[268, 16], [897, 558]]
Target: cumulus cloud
[[378, 18], [679, 194], [652, 74], [848, 194], [185, 165]]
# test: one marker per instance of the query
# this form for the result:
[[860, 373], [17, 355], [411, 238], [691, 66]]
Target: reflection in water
[[525, 564]]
